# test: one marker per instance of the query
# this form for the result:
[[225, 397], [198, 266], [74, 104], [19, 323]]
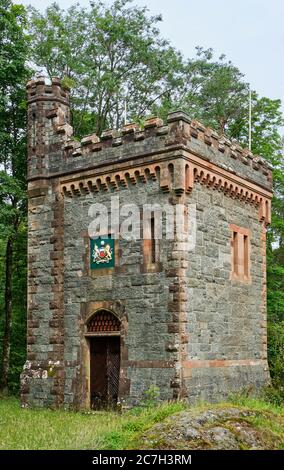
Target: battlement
[[192, 131], [39, 89], [54, 151]]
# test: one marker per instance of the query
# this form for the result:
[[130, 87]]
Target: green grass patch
[[57, 429], [257, 404], [47, 429]]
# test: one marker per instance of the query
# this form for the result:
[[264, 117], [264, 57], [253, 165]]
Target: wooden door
[[104, 368]]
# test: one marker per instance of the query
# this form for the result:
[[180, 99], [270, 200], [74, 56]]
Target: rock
[[227, 428], [222, 438], [191, 434]]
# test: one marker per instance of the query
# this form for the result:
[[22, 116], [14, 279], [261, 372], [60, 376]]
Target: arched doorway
[[103, 334]]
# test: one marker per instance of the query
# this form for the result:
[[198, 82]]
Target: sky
[[249, 32]]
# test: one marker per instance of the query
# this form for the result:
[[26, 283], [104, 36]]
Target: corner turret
[[48, 123]]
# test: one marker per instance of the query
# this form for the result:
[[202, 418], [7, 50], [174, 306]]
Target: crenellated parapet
[[177, 153], [39, 90], [178, 130]]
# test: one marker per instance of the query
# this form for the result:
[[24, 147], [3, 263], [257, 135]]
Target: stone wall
[[186, 325], [226, 348], [144, 297]]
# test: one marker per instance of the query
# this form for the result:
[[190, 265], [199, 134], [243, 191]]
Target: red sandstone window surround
[[149, 242], [240, 253], [150, 245]]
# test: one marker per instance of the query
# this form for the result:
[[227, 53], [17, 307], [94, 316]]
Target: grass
[[48, 429], [264, 424], [257, 404], [268, 421]]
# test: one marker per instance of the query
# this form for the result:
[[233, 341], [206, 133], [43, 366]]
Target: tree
[[267, 119], [211, 91], [13, 75], [110, 56]]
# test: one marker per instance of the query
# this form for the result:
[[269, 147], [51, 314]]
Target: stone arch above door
[[103, 322], [88, 309]]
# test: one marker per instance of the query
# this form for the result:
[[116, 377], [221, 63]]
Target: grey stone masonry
[[192, 315]]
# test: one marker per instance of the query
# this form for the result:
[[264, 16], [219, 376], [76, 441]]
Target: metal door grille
[[103, 322], [113, 366], [105, 370]]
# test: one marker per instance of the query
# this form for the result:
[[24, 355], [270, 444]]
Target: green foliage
[[274, 394], [18, 337], [276, 352], [211, 91], [271, 395], [275, 287], [218, 94], [257, 403], [19, 333], [109, 54], [13, 76], [12, 202], [151, 396]]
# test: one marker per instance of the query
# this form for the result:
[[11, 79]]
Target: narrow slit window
[[153, 241], [150, 242], [235, 253], [240, 253], [33, 130], [246, 255]]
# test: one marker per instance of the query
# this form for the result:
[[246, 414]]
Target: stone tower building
[[109, 318]]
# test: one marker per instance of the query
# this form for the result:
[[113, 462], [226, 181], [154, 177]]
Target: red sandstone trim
[[173, 174], [37, 99], [240, 254], [203, 364], [147, 364], [57, 304]]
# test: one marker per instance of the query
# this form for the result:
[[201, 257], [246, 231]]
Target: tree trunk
[[8, 317]]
